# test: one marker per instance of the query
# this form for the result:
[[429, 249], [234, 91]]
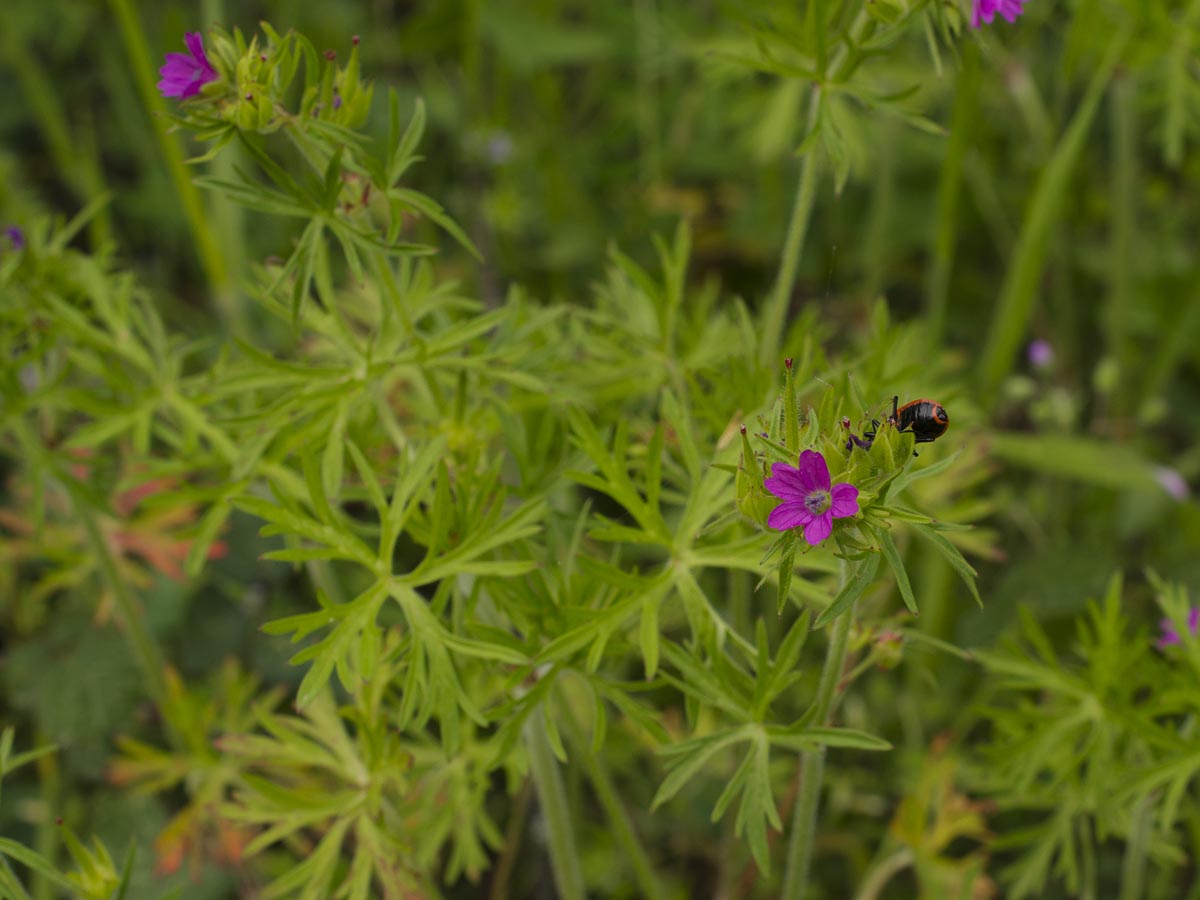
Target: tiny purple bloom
[[1041, 354], [1170, 635], [1172, 482], [808, 498], [985, 10], [15, 236], [499, 148], [184, 74]]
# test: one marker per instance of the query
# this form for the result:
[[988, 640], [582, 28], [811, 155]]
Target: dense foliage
[[394, 405]]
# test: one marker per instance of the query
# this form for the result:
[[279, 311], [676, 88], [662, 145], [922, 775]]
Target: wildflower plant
[[413, 460], [521, 555]]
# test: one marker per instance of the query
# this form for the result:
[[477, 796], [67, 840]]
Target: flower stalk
[[552, 798], [812, 763]]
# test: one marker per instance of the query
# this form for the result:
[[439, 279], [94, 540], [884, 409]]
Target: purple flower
[[185, 73], [15, 236], [1172, 482], [1170, 635], [1041, 354], [808, 499], [985, 10]]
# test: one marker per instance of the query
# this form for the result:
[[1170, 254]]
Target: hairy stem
[[552, 797], [793, 245], [812, 764], [647, 879]]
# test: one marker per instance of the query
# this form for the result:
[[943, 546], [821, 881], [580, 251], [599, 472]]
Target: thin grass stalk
[[1123, 123], [1179, 340], [1020, 290], [812, 764], [649, 52], [76, 159], [143, 70], [950, 184]]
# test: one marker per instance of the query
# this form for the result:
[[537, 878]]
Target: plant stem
[[647, 879], [793, 245], [189, 197], [812, 764], [512, 844], [842, 65], [552, 797], [1133, 867], [145, 650], [76, 158], [878, 877], [649, 52], [949, 189], [1087, 876], [1116, 315], [50, 781]]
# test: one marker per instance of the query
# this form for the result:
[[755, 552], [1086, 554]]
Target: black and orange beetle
[[926, 419]]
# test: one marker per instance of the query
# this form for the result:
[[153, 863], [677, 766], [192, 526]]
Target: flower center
[[817, 502]]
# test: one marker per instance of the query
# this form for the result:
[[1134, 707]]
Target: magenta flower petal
[[1170, 636], [785, 482], [195, 45], [808, 500], [789, 515], [985, 10], [814, 473], [184, 74], [845, 501], [819, 529]]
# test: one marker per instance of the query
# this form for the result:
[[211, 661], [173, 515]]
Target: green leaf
[[1092, 461], [859, 581], [801, 737], [36, 863], [787, 566], [892, 555], [952, 555], [648, 635], [1020, 290], [689, 757], [681, 426]]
